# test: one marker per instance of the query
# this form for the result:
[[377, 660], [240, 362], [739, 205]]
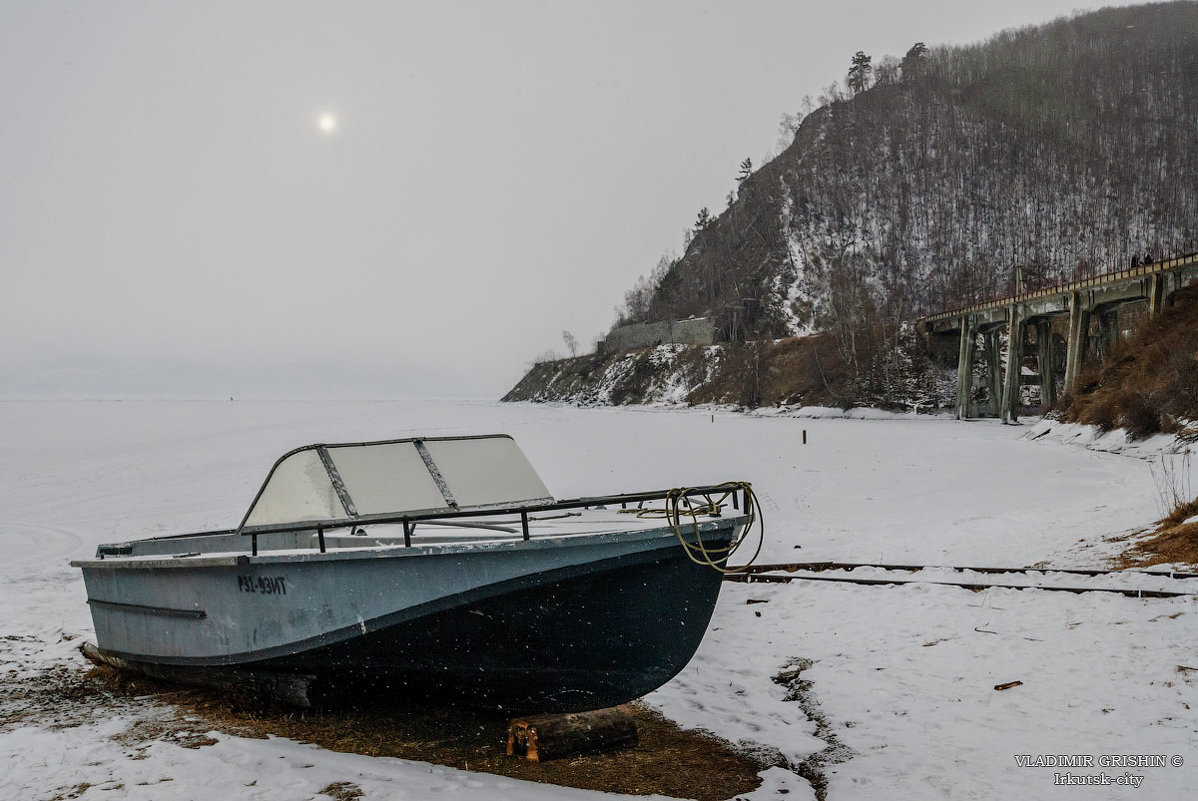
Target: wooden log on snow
[[293, 689], [543, 737]]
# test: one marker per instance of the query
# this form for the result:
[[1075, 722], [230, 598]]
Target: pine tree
[[914, 62], [746, 169], [859, 72]]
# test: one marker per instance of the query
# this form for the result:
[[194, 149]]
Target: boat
[[426, 569]]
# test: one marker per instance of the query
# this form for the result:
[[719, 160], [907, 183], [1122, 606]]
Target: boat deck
[[424, 537]]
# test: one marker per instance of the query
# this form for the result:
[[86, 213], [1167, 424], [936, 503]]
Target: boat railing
[[738, 493]]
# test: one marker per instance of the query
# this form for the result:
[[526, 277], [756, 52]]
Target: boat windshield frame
[[439, 483], [508, 457]]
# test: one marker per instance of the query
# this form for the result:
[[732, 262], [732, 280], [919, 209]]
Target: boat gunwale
[[400, 549], [524, 510]]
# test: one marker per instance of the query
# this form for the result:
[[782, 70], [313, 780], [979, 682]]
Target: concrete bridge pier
[[1157, 293], [1079, 329], [971, 328], [993, 369], [1108, 332], [1046, 361], [965, 366], [1014, 366]]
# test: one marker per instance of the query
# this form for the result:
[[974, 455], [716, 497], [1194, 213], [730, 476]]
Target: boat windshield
[[357, 482]]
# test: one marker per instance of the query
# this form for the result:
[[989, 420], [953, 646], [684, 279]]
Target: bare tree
[[887, 71], [788, 128]]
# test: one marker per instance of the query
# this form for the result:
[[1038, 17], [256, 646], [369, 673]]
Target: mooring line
[[771, 578], [818, 567]]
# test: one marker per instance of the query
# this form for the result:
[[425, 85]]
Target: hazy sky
[[174, 219]]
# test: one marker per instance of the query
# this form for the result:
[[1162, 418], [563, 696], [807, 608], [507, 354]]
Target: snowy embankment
[[1114, 441], [881, 692], [666, 375]]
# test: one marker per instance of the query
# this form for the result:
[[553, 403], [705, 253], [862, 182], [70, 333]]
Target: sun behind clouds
[[327, 124]]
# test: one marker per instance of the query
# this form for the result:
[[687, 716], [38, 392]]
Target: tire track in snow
[[37, 545]]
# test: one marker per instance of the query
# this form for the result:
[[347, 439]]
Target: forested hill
[[1060, 149]]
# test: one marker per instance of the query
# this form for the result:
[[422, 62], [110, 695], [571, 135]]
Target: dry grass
[[1168, 545], [667, 761], [342, 791], [1149, 383], [1173, 542]]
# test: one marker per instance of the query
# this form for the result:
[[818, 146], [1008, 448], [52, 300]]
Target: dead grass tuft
[[71, 792], [1167, 545], [342, 791], [1180, 514], [1174, 541]]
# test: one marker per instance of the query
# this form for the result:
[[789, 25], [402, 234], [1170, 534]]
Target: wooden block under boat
[[293, 689], [543, 737]]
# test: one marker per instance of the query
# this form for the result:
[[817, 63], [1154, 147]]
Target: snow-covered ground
[[901, 678]]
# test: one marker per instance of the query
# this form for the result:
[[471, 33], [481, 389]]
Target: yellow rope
[[679, 504]]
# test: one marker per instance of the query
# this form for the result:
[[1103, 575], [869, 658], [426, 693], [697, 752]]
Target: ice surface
[[903, 677]]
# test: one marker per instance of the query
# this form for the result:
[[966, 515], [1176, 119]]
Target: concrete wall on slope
[[695, 331]]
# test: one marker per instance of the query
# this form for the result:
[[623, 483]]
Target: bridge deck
[[1072, 286]]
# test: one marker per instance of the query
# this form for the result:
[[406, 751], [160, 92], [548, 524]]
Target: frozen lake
[[902, 677]]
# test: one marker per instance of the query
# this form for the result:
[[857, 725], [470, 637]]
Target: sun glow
[[327, 124]]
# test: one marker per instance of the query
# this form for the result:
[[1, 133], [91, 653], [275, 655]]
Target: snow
[[833, 412], [1114, 441], [901, 677], [233, 768]]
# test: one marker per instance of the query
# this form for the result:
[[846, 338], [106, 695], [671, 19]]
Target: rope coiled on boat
[[683, 513]]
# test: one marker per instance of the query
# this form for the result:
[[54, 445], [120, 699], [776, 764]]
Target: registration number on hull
[[262, 585]]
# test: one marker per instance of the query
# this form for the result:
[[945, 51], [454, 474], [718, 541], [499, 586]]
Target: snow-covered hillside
[[1043, 155], [790, 373], [1053, 152]]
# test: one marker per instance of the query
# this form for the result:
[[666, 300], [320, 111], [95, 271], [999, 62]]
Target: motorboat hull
[[553, 624]]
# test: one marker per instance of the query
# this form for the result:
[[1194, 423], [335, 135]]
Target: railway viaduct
[[1055, 329]]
